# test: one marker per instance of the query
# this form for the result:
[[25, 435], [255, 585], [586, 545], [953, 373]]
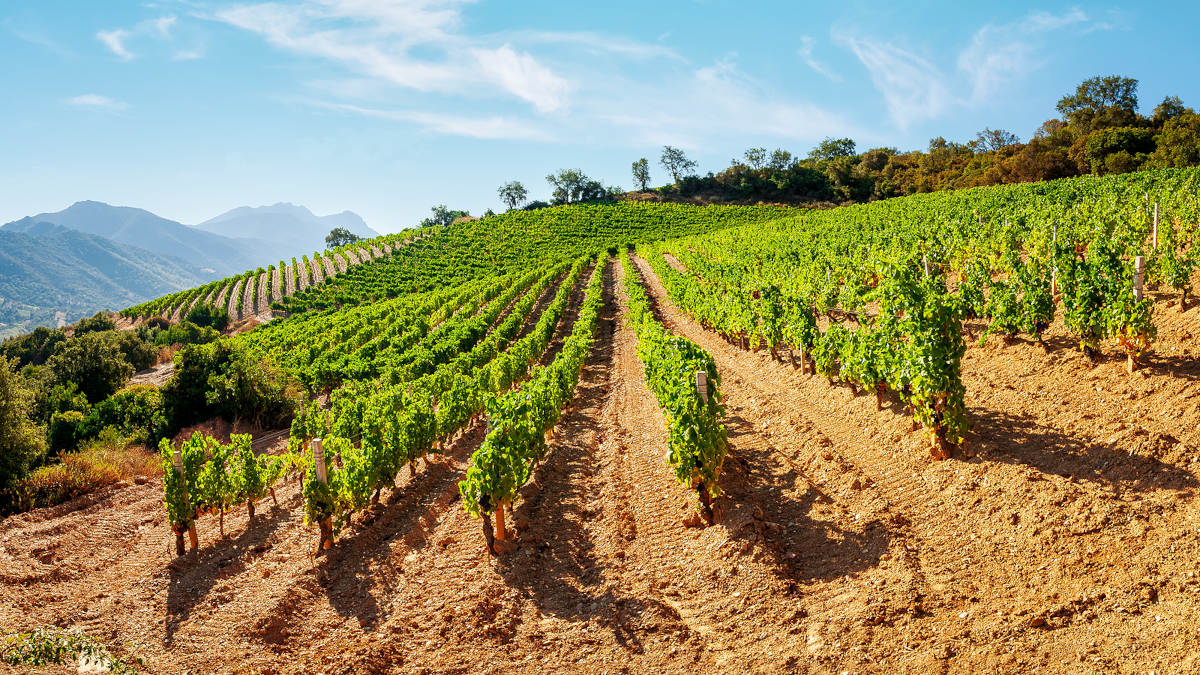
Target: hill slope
[[138, 227], [291, 229], [50, 272]]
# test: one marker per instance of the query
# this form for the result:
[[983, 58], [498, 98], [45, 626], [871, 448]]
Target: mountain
[[136, 227], [51, 274], [290, 228]]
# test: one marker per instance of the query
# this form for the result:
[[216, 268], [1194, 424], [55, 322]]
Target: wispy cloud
[[805, 51], [115, 41], [483, 127], [378, 39], [36, 37], [912, 87], [998, 56], [97, 102]]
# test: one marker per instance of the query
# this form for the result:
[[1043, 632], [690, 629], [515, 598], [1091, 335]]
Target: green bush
[[186, 333], [94, 362], [66, 430], [95, 324], [136, 412], [21, 442], [221, 380], [140, 354], [32, 349], [207, 316]]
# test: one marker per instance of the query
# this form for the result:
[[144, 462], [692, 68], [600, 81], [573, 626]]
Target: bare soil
[[1067, 544]]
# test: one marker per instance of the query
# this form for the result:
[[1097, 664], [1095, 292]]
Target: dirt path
[[1027, 557]]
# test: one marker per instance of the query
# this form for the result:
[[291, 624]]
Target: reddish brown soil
[[1067, 544]]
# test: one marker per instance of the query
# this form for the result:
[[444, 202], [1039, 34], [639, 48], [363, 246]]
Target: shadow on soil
[[804, 548], [1021, 440], [194, 575], [556, 564]]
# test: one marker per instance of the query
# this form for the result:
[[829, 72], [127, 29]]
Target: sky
[[189, 108]]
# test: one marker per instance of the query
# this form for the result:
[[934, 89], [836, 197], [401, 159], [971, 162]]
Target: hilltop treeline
[[1098, 131]]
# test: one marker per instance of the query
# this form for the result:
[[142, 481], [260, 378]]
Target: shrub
[[94, 362], [186, 333], [21, 442], [32, 349], [208, 316], [103, 462], [140, 353], [136, 412], [221, 380], [97, 323], [66, 430]]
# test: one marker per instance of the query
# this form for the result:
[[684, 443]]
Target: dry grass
[[103, 462]]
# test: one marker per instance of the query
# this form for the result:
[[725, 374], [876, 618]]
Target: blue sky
[[386, 107]]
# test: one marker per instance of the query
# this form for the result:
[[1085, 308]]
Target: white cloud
[[912, 87], [115, 41], [598, 43], [160, 28], [522, 76], [578, 85], [97, 102], [997, 58], [188, 55], [805, 51], [492, 127], [378, 38]]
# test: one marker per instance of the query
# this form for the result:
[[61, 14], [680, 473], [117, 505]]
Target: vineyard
[[953, 431]]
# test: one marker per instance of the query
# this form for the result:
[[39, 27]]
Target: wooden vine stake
[[192, 526], [702, 385], [1139, 274], [1054, 272], [501, 532], [1155, 235], [326, 525]]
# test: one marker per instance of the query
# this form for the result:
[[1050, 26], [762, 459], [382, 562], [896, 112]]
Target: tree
[[1178, 146], [756, 158], [97, 323], [1170, 108], [641, 173], [832, 148], [208, 315], [443, 216], [990, 140], [1101, 102], [781, 160], [21, 443], [573, 185], [513, 194], [340, 236], [676, 163], [94, 362]]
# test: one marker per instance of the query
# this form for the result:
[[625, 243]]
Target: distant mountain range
[[292, 229], [59, 267], [50, 274]]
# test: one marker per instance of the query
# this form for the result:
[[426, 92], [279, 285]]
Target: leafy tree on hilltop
[[94, 362], [513, 194], [831, 148], [1101, 102], [676, 163], [443, 216], [641, 173], [21, 442], [340, 236], [573, 185]]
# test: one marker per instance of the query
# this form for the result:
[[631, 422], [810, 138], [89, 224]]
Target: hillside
[[51, 274], [137, 227], [287, 228], [953, 432]]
